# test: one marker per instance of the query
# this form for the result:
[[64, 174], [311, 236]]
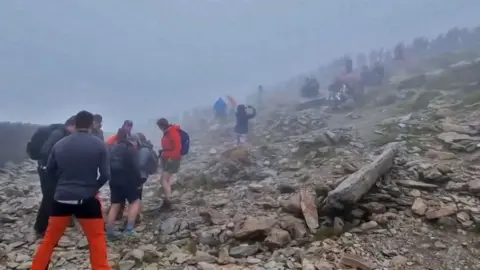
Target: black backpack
[[34, 146], [116, 155]]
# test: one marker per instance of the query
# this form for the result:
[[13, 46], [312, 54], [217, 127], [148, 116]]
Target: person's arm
[[47, 147], [103, 166], [254, 112], [51, 166]]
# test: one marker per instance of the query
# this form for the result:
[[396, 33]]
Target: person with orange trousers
[[75, 162]]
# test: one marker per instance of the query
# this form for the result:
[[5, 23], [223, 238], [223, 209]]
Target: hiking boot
[[113, 235], [130, 233], [166, 206]]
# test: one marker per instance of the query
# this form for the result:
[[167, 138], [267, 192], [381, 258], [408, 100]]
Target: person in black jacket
[[47, 184], [125, 184], [241, 126]]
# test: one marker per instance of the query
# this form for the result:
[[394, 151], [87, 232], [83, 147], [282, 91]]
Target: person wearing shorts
[[170, 158], [125, 184], [170, 166]]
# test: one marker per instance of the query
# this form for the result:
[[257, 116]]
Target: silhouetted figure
[[348, 64], [311, 88], [399, 53]]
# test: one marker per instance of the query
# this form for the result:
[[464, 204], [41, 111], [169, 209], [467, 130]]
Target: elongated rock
[[352, 189]]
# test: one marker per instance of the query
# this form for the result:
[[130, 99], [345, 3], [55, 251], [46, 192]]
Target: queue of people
[[74, 162]]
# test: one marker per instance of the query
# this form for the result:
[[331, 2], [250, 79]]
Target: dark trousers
[[48, 186]]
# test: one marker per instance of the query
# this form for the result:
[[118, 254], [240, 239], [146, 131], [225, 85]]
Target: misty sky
[[145, 59]]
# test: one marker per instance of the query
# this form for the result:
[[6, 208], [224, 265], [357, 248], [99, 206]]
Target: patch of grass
[[323, 233], [383, 140], [455, 77], [203, 181], [446, 59], [415, 143], [191, 247], [421, 102], [472, 98], [206, 182], [476, 229]]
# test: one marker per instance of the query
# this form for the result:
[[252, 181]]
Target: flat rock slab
[[416, 184]]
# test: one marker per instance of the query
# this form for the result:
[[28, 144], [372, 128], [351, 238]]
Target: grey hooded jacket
[[143, 156]]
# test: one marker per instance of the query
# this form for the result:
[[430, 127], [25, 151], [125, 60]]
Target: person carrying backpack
[[125, 183], [220, 110], [175, 144], [38, 149], [241, 126]]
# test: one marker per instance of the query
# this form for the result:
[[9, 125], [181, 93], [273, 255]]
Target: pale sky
[[146, 59]]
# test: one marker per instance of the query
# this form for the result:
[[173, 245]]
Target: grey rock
[[244, 251]]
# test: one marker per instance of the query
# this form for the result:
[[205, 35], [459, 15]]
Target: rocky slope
[[262, 206]]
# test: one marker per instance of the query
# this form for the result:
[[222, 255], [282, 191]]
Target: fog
[[144, 59]]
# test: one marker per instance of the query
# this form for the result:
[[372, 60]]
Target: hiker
[[260, 97], [378, 73], [361, 59], [311, 88], [399, 52], [241, 126], [170, 158], [97, 126], [365, 76], [220, 110], [127, 125], [39, 148], [125, 183], [80, 164], [348, 64]]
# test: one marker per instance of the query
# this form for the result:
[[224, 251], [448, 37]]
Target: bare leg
[[166, 184], [111, 218], [167, 190], [133, 212]]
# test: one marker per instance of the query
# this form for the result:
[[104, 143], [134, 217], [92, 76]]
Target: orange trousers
[[89, 215]]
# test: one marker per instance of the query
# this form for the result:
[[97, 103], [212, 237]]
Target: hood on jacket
[[220, 104], [146, 144]]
